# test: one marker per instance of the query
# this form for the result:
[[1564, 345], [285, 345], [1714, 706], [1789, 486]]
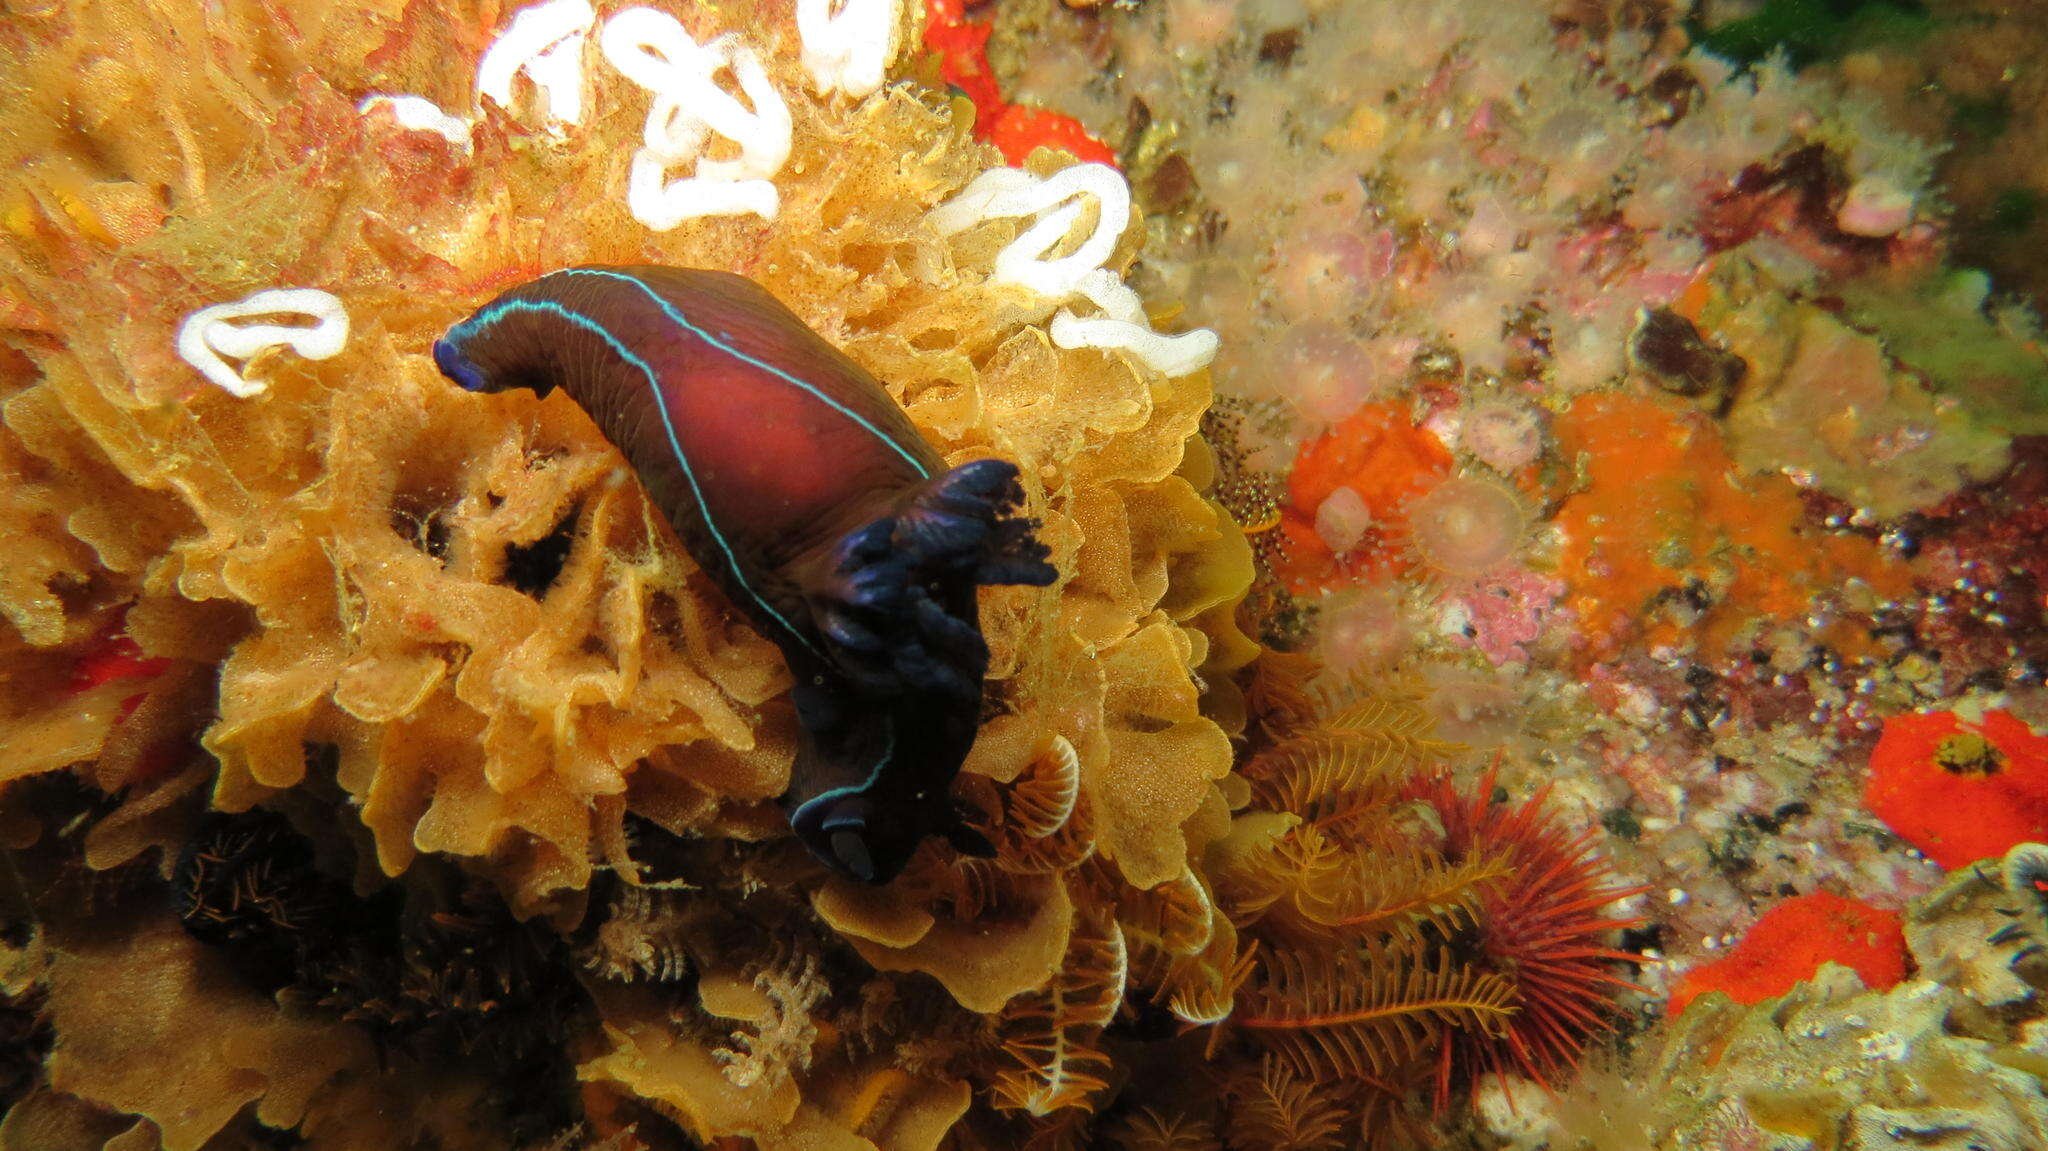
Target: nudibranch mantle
[[809, 497]]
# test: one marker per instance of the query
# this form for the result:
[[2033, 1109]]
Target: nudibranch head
[[458, 367], [863, 837]]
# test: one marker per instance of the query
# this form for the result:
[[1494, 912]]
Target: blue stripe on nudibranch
[[874, 776], [490, 315], [683, 321]]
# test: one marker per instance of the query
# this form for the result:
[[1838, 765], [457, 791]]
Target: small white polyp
[[206, 335], [419, 114], [654, 51], [1058, 201], [545, 41], [848, 51]]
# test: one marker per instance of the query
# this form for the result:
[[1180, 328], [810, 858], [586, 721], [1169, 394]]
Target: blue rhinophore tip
[[457, 367]]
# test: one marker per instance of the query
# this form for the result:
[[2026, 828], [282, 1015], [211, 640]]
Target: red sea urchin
[[1540, 925]]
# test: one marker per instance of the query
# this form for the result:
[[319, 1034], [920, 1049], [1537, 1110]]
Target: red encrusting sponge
[[113, 656], [116, 657], [962, 47], [1960, 790], [1790, 943]]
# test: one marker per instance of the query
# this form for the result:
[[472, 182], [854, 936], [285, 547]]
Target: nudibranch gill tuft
[[806, 493]]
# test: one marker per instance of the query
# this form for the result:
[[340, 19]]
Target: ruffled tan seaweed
[[360, 513]]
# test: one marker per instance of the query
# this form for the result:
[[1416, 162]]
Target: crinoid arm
[[896, 605], [1342, 1014]]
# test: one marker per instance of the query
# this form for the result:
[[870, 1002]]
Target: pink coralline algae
[[1506, 611]]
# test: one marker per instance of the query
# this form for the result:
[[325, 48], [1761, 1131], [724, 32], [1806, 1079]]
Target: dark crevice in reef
[[247, 884], [533, 568], [422, 520], [434, 967], [25, 1041], [272, 1138], [51, 889]]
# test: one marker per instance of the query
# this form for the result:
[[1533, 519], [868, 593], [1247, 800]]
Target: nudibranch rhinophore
[[808, 496]]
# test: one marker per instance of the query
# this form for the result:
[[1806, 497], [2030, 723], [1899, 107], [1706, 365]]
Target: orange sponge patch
[[1380, 455], [1790, 943], [1659, 510], [1960, 790]]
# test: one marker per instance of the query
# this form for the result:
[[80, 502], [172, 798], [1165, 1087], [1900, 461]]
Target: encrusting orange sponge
[[1790, 943], [1957, 789], [1656, 505], [1386, 462]]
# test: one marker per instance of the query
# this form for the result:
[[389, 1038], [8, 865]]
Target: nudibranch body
[[808, 496]]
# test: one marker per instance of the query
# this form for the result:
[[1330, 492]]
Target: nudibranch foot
[[897, 608]]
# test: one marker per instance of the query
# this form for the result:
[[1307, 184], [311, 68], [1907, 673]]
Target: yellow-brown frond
[[1306, 886], [1395, 716], [1199, 988], [1042, 798], [1240, 864], [970, 889], [1149, 1130], [1174, 918], [1327, 778], [1367, 1013], [1061, 1131], [1279, 695], [1051, 1032], [1390, 1115], [1203, 989], [1277, 1109], [1395, 891], [1276, 871], [1059, 849]]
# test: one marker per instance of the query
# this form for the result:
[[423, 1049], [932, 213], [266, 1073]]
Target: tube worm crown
[[807, 495]]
